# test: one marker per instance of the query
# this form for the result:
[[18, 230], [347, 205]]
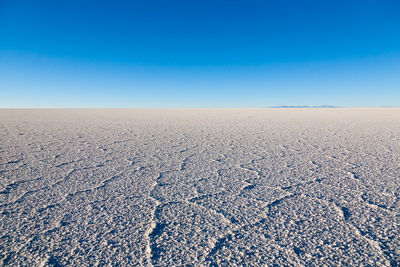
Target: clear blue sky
[[199, 53]]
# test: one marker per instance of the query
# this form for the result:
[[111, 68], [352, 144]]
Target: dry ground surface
[[201, 187]]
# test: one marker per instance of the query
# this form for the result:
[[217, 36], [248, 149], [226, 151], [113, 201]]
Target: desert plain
[[201, 187]]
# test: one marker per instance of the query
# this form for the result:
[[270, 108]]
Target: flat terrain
[[202, 187]]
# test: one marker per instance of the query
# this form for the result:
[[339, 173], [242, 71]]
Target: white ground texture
[[216, 187]]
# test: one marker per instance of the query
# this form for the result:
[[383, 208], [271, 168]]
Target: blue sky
[[199, 53]]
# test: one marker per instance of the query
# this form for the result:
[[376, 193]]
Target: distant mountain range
[[321, 106]]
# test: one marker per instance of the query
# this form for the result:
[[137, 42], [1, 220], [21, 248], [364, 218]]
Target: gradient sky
[[199, 53]]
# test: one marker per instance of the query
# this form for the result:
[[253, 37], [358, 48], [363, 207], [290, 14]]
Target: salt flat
[[200, 187]]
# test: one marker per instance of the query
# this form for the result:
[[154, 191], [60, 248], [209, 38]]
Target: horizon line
[[272, 107]]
